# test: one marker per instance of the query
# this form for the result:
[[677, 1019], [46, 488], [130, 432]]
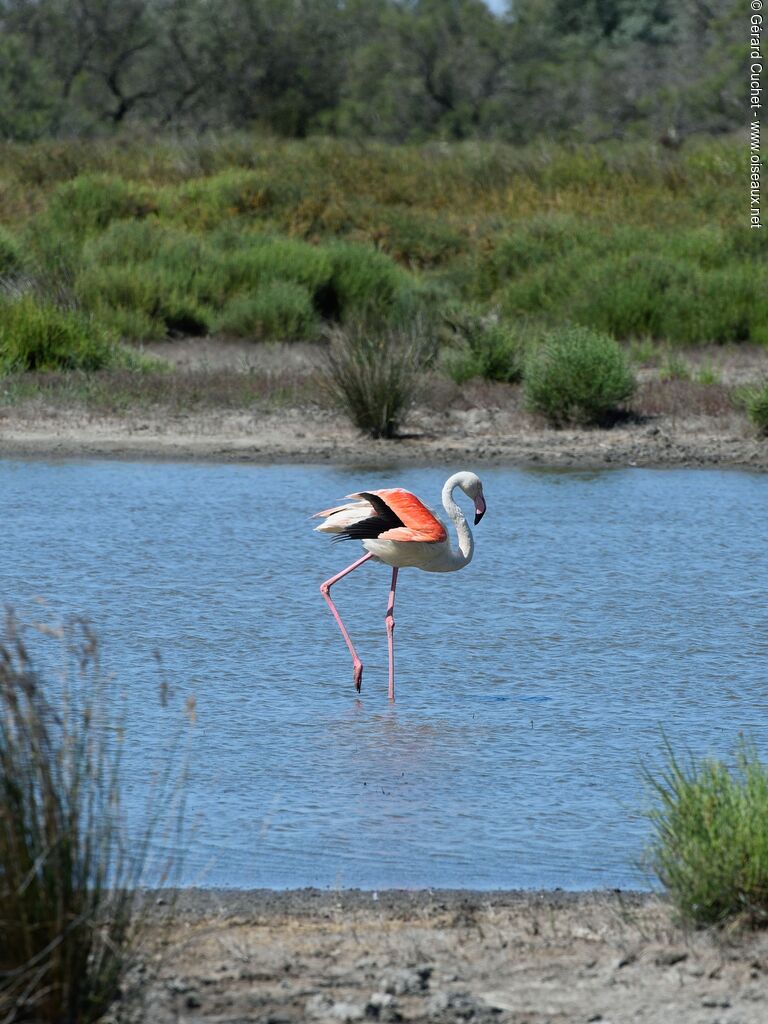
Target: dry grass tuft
[[70, 913]]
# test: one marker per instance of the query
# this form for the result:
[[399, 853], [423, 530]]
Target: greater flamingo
[[399, 530]]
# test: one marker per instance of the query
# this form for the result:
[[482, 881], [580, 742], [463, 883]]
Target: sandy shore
[[469, 438], [440, 956], [192, 414]]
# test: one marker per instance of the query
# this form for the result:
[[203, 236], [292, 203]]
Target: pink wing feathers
[[389, 514]]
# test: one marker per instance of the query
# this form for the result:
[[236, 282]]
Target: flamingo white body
[[396, 528]]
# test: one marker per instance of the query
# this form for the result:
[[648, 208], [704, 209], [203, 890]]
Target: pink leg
[[357, 665], [390, 621]]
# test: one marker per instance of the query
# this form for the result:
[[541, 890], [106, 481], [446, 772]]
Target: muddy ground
[[674, 422], [440, 956]]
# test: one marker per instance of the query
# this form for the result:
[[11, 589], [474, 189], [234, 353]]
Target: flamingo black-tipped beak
[[480, 507]]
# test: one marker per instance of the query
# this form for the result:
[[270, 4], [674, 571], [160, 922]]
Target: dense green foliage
[[266, 239], [37, 335], [710, 847], [401, 71], [577, 376]]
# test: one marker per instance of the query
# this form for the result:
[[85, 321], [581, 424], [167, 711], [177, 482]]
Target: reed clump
[[373, 372], [70, 914], [755, 401], [710, 844]]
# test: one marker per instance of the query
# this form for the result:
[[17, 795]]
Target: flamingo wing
[[416, 522], [390, 514]]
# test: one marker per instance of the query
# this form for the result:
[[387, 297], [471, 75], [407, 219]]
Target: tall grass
[[710, 844], [755, 401], [70, 911], [373, 372]]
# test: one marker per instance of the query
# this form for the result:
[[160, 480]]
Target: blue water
[[599, 608]]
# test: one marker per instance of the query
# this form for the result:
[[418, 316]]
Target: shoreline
[[439, 956], [226, 401], [317, 437]]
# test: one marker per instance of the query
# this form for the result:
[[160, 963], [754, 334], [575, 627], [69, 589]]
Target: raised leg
[[357, 665], [390, 621]]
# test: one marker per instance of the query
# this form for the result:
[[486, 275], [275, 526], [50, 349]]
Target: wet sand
[[440, 956], [468, 438]]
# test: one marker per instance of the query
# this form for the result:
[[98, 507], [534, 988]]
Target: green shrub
[[484, 346], [541, 241], [159, 294], [141, 241], [684, 287], [90, 202], [417, 239], [710, 848], [373, 372], [36, 335], [10, 253], [756, 403], [364, 282], [231, 194], [279, 310], [577, 376], [255, 259]]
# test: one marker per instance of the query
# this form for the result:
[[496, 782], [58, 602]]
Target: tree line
[[398, 70]]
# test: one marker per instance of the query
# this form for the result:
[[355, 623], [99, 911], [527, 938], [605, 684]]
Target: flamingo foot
[[357, 675]]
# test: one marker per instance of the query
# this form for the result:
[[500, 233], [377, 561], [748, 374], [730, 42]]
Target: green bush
[[417, 239], [10, 253], [160, 295], [710, 848], [686, 287], [90, 202], [242, 282], [577, 376], [365, 282], [756, 403], [233, 193], [36, 335], [484, 346], [373, 372], [276, 309], [255, 259]]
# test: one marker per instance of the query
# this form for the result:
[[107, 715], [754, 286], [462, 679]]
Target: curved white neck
[[466, 548]]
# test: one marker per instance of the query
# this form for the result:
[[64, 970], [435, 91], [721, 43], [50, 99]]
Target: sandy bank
[[233, 401], [462, 437], [441, 956]]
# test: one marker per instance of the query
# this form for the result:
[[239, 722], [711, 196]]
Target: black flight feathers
[[384, 519]]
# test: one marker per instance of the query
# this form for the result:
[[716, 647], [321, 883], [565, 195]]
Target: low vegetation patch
[[484, 346], [755, 401], [577, 376], [710, 845], [36, 335]]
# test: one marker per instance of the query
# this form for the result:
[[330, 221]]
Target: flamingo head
[[473, 488]]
